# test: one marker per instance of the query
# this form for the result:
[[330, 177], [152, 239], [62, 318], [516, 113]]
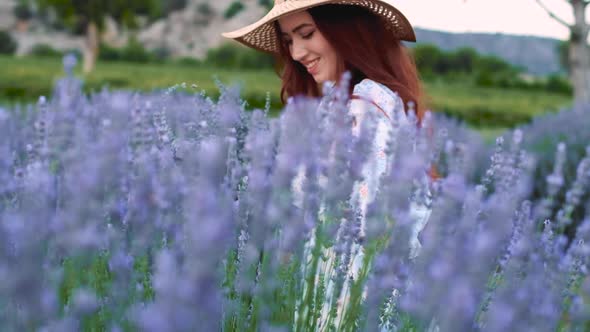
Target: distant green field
[[24, 79]]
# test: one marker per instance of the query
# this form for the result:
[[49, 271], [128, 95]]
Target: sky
[[522, 17]]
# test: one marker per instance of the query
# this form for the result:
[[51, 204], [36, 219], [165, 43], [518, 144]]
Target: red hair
[[367, 49]]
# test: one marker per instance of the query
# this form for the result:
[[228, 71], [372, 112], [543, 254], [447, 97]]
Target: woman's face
[[308, 46]]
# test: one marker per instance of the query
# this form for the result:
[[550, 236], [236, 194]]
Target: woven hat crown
[[262, 35]]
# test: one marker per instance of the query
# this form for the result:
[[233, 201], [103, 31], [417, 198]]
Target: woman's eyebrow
[[299, 27]]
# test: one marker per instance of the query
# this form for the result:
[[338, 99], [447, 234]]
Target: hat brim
[[261, 35]]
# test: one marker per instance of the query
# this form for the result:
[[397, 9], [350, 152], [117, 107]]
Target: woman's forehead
[[295, 21]]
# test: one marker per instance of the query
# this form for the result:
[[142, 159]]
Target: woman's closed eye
[[306, 37], [309, 35]]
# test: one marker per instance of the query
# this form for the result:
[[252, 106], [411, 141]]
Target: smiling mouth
[[312, 67], [311, 64]]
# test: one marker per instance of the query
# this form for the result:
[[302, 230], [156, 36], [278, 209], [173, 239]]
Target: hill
[[537, 55]]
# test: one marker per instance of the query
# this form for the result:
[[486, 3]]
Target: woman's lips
[[314, 69]]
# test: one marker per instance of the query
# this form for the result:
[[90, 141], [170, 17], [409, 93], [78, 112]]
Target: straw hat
[[262, 36]]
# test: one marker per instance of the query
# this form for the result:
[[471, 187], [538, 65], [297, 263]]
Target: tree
[[266, 3], [464, 59], [578, 50], [428, 59], [7, 43], [22, 11], [89, 15]]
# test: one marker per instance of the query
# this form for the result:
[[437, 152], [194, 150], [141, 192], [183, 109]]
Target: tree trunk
[[579, 59], [579, 54], [90, 47]]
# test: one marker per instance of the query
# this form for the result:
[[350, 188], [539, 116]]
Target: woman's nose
[[298, 51]]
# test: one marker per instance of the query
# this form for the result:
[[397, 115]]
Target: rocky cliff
[[192, 31], [189, 32]]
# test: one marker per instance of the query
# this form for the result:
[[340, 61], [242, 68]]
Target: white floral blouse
[[391, 107], [370, 94]]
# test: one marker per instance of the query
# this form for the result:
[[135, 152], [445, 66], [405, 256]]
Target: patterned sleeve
[[365, 191], [371, 92]]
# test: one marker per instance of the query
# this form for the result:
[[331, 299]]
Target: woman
[[316, 41], [361, 37]]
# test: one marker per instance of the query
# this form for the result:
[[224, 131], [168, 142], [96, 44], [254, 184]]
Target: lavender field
[[170, 211]]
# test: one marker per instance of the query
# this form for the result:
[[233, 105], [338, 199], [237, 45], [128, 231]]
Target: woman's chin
[[319, 79]]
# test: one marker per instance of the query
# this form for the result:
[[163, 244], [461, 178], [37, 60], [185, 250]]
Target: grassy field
[[492, 109], [24, 79]]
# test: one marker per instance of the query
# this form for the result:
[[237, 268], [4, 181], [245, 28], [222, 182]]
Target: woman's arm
[[388, 110], [365, 190], [371, 99]]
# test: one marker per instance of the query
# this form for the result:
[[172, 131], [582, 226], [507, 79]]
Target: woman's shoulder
[[375, 92]]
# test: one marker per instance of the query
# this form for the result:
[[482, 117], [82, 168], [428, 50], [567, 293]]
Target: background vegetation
[[485, 92]]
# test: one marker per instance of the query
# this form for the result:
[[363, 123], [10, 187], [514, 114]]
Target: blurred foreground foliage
[[169, 211]]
